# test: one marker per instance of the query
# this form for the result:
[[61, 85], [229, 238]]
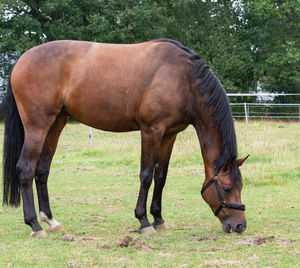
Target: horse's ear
[[241, 161]]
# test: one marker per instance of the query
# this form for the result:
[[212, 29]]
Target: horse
[[159, 87]]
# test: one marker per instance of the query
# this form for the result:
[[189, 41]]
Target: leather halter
[[222, 201]]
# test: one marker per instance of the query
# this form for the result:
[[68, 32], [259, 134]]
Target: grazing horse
[[158, 87]]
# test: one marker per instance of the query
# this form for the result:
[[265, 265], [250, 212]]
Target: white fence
[[262, 109], [283, 111]]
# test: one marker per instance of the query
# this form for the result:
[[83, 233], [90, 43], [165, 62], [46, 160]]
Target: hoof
[[40, 233], [162, 226], [55, 228], [147, 230]]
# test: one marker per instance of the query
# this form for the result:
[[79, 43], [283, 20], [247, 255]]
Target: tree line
[[244, 42]]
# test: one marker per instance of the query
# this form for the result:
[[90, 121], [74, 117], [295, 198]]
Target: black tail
[[13, 142]]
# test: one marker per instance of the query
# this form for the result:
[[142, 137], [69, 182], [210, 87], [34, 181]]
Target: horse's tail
[[13, 142]]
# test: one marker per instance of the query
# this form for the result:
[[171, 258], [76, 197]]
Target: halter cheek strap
[[223, 204]]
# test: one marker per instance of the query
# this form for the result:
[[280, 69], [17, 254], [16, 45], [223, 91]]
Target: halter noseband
[[222, 201]]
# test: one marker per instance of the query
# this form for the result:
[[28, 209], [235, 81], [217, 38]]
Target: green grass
[[93, 194]]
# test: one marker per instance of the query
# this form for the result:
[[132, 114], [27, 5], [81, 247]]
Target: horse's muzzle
[[239, 228]]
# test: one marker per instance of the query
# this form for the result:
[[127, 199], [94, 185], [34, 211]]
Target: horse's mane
[[208, 83]]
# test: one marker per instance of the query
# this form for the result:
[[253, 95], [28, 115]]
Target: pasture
[[93, 193]]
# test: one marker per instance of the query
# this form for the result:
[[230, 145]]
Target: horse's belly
[[120, 125], [110, 113]]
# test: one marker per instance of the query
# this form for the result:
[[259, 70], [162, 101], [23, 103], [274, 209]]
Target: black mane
[[208, 83]]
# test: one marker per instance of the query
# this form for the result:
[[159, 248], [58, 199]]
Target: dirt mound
[[257, 240], [129, 242]]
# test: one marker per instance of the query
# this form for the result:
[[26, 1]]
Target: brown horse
[[158, 87]]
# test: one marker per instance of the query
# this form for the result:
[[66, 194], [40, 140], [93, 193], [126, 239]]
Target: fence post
[[246, 112], [91, 138]]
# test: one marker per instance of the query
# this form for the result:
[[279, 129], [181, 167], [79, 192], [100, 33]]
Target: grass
[[93, 193]]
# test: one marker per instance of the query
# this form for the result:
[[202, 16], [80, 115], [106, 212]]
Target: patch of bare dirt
[[212, 250], [286, 241], [89, 238], [68, 237], [105, 245], [257, 240], [124, 242], [129, 242], [204, 238]]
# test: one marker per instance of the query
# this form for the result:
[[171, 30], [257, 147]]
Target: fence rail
[[261, 94], [266, 110], [263, 109]]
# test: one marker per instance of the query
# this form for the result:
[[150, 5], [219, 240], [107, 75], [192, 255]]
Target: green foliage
[[243, 41], [274, 30], [126, 22], [25, 24]]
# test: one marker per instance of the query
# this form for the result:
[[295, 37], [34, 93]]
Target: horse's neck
[[211, 145], [209, 110]]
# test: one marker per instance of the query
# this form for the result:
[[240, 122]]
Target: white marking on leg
[[53, 224]]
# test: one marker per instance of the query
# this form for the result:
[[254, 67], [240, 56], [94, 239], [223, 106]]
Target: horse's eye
[[227, 189]]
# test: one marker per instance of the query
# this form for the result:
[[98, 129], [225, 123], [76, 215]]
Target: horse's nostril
[[240, 228], [226, 228]]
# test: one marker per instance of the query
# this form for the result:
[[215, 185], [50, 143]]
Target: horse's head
[[223, 194]]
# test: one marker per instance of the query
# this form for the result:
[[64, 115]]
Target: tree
[[27, 23], [214, 30], [243, 41], [273, 29]]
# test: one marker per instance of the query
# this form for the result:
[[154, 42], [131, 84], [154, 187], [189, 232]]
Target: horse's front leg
[[160, 176], [150, 146]]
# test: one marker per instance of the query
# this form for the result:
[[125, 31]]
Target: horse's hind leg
[[26, 166], [42, 171], [160, 175]]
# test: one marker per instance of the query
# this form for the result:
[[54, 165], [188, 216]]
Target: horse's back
[[108, 86]]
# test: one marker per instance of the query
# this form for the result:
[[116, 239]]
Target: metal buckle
[[223, 203]]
